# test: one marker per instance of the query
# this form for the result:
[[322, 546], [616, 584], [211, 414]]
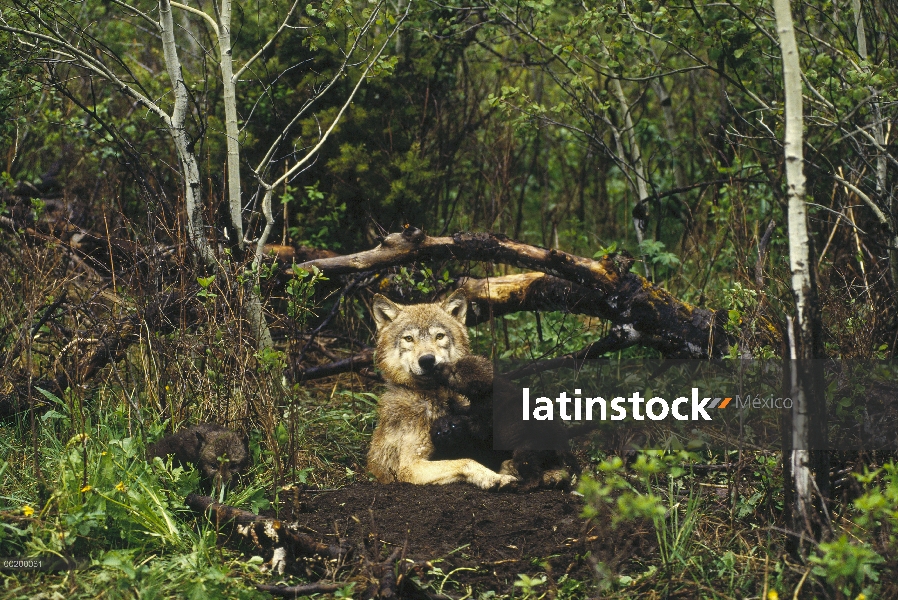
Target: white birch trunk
[[635, 155], [799, 248], [192, 194], [800, 458], [799, 260], [229, 89], [253, 307]]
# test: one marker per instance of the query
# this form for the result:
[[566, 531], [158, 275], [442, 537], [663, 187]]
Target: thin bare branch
[[199, 13], [268, 44], [138, 12], [283, 135]]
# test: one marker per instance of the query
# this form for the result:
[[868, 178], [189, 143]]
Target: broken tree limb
[[262, 531], [605, 288], [305, 589], [401, 248], [647, 314], [386, 586], [355, 362]]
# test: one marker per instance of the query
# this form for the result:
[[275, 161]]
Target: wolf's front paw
[[507, 482], [486, 479], [495, 481], [447, 374]]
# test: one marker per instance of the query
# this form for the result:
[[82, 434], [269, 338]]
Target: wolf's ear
[[384, 311], [457, 305]]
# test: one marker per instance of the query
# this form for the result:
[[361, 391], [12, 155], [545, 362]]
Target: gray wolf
[[416, 345]]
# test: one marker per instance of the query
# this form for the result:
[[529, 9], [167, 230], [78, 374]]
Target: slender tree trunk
[[641, 210], [581, 188], [635, 156], [253, 305], [254, 309], [183, 144], [519, 219], [670, 129], [231, 130], [195, 49], [879, 137], [859, 27], [664, 102], [807, 457]]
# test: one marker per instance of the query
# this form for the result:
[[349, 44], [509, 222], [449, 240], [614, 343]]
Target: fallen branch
[[405, 247], [387, 578], [305, 589], [386, 586], [358, 361], [605, 288], [711, 468], [262, 531]]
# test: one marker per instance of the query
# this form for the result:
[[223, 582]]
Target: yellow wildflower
[[86, 489], [27, 511], [121, 486], [861, 597], [773, 595]]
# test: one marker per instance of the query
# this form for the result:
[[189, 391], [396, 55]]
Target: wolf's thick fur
[[217, 452], [468, 430], [415, 344]]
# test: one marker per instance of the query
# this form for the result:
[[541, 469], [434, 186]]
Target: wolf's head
[[412, 340], [222, 454]]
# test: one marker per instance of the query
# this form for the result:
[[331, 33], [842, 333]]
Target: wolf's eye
[[441, 336], [408, 338]]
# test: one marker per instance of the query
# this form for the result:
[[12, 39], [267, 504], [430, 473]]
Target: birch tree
[[66, 41], [880, 143], [808, 472], [624, 149]]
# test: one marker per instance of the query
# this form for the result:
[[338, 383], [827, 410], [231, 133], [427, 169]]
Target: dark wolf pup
[[541, 457], [217, 452]]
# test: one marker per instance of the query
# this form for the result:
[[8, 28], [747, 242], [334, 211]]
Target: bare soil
[[497, 534]]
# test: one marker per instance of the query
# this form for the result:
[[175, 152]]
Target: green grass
[[97, 498]]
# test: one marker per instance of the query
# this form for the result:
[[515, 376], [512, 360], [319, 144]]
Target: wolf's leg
[[448, 471]]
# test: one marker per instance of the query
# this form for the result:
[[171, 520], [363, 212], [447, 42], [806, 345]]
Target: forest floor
[[485, 539]]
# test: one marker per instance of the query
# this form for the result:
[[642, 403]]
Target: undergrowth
[[74, 481], [96, 498]]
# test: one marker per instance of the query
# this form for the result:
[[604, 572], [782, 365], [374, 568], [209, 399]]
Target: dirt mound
[[498, 535]]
